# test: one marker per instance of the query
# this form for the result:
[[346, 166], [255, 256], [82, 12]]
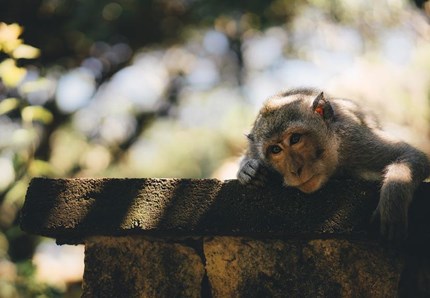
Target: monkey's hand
[[252, 172], [392, 210]]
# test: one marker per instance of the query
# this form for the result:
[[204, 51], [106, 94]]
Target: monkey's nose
[[297, 172]]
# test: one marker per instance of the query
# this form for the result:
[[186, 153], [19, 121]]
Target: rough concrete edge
[[73, 236]]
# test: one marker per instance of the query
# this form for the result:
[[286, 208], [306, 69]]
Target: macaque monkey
[[304, 138]]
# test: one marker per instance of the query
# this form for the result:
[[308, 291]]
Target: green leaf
[[9, 37], [39, 85], [8, 104], [11, 74], [41, 168], [37, 113], [15, 196], [25, 51]]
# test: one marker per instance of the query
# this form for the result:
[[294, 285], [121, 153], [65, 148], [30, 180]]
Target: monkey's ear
[[323, 107]]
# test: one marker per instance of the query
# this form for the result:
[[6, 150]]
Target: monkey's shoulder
[[352, 113]]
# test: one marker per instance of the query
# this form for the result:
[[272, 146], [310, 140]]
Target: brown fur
[[337, 137]]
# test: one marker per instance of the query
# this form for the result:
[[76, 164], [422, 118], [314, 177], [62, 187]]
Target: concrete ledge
[[72, 209], [207, 238]]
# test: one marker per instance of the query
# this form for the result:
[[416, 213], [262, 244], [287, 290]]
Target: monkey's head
[[293, 135]]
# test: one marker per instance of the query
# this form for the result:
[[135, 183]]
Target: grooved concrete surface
[[76, 208], [207, 238]]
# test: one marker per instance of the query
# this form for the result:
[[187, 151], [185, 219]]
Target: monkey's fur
[[308, 138]]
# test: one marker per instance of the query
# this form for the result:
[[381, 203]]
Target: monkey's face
[[301, 159], [292, 135]]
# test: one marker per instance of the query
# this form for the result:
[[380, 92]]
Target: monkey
[[302, 137]]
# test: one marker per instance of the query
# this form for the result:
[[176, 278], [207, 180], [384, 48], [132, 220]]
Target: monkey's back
[[350, 112]]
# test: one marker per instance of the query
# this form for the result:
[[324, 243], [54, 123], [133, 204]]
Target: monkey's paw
[[252, 173], [392, 215]]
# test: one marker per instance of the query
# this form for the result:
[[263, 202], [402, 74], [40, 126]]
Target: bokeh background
[[158, 88]]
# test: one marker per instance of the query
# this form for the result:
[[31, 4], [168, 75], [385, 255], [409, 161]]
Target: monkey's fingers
[[253, 174], [251, 181], [244, 177], [248, 171], [398, 233], [395, 232]]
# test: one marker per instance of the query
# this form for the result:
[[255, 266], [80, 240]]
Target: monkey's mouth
[[312, 184]]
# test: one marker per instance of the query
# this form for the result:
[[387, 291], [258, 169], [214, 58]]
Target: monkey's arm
[[402, 168], [400, 179]]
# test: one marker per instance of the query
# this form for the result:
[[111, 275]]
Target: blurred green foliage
[[85, 44], [137, 88]]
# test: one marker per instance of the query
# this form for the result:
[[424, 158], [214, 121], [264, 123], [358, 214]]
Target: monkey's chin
[[312, 185]]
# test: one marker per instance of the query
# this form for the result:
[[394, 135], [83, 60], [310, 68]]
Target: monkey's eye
[[275, 149], [295, 138]]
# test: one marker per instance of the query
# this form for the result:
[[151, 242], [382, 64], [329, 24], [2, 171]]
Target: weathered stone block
[[135, 267], [244, 267]]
